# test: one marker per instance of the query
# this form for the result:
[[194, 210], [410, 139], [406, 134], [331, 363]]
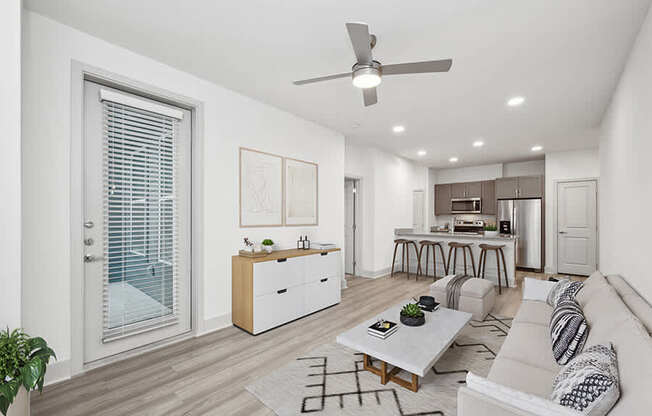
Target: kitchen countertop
[[446, 234]]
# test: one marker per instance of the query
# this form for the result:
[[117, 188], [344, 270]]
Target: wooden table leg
[[386, 376]]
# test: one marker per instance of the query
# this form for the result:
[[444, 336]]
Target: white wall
[[625, 166], [10, 189], [527, 168], [231, 120], [387, 182], [470, 173], [577, 164]]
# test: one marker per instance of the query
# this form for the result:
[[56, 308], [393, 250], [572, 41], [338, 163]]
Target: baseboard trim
[[374, 274], [57, 372], [214, 324]]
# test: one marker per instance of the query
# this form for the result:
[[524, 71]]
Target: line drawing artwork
[[301, 192], [261, 189]]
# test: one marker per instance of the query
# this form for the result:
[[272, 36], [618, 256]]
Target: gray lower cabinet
[[443, 199], [489, 197], [519, 187]]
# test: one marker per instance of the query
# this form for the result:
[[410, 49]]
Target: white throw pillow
[[535, 289], [520, 400]]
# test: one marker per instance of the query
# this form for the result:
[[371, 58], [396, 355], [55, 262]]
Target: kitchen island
[[445, 237]]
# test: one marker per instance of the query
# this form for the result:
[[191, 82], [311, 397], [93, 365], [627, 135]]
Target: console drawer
[[322, 293], [270, 276], [277, 308], [322, 265]]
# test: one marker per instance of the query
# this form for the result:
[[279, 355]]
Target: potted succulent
[[412, 315], [268, 245], [23, 362], [490, 230]]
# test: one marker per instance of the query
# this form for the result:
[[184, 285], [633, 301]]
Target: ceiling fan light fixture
[[366, 76]]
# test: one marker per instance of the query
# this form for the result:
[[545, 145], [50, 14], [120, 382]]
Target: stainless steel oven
[[466, 206]]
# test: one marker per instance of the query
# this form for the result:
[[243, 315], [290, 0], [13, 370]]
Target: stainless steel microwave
[[466, 206]]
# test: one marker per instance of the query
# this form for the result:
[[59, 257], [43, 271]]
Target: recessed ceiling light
[[537, 148], [478, 143], [515, 101], [421, 152], [453, 159], [398, 129]]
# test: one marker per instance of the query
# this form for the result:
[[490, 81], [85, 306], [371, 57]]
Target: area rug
[[330, 380]]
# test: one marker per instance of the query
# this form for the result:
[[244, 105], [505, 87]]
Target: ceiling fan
[[367, 72]]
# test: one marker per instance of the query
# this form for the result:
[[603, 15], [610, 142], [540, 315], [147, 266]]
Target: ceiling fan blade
[[325, 78], [361, 41], [417, 67], [370, 96]]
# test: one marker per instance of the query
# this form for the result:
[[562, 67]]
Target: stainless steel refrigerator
[[524, 216]]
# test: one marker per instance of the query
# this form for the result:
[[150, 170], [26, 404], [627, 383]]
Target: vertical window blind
[[140, 231]]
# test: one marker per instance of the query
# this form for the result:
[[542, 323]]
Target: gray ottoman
[[477, 296]]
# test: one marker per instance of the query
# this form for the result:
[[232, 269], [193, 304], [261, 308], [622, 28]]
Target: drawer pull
[[324, 279], [281, 260], [280, 292], [324, 253]]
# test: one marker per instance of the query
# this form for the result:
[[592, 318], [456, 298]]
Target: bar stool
[[483, 261], [431, 245], [405, 255], [464, 246]]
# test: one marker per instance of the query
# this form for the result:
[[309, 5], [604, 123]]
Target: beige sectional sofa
[[526, 368]]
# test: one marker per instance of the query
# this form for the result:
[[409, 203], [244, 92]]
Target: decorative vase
[[20, 406], [413, 320], [268, 249], [491, 234]]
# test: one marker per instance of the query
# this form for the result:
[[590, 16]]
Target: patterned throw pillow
[[568, 330], [564, 289], [589, 383]]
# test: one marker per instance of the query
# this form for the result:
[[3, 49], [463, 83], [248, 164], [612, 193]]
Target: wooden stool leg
[[480, 263], [498, 266], [455, 260], [402, 257], [484, 263], [443, 258], [407, 264], [393, 259], [472, 261], [504, 267], [450, 251], [416, 253], [464, 255], [427, 258]]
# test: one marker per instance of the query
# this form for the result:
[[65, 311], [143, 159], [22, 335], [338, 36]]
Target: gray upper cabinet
[[443, 199], [519, 187], [530, 186], [473, 190], [506, 188], [458, 190], [489, 197]]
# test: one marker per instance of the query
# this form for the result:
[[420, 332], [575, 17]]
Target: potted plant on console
[[268, 245], [412, 315], [490, 230], [23, 363]]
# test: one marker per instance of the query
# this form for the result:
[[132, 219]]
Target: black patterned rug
[[330, 380]]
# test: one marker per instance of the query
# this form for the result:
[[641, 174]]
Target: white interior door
[[137, 221], [418, 210], [576, 227], [349, 196]]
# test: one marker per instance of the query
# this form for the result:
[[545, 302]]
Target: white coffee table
[[413, 349]]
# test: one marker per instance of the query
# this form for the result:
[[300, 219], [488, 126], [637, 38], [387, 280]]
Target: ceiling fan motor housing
[[371, 70]]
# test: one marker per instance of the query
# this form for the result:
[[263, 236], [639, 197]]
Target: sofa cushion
[[564, 289], [593, 284], [522, 376], [529, 344], [568, 330], [639, 306], [534, 312], [589, 383]]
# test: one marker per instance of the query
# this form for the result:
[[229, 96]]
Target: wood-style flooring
[[207, 375]]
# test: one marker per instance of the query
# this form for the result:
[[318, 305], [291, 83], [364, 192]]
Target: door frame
[[359, 206], [79, 73], [555, 201]]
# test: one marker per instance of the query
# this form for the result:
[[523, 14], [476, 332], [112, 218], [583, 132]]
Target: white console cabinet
[[283, 286]]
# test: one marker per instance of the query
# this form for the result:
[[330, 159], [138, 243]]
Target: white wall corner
[[58, 371], [213, 324]]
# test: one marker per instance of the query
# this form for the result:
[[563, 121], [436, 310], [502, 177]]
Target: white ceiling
[[564, 56]]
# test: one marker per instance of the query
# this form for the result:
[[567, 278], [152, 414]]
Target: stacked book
[[382, 329], [323, 246]]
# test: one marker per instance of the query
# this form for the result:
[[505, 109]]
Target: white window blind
[[140, 217]]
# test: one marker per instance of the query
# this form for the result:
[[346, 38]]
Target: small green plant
[[412, 310], [267, 242], [23, 362], [490, 227]]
